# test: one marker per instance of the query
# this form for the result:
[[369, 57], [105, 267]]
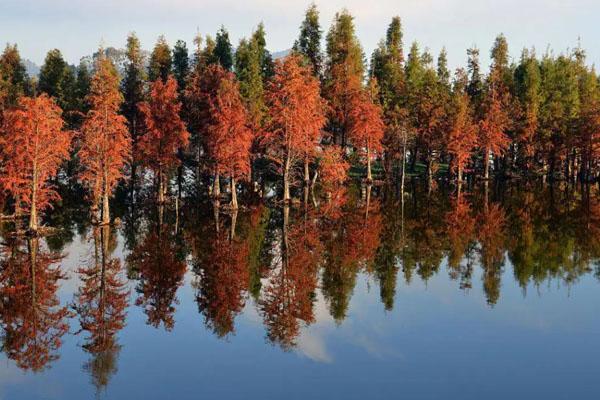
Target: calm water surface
[[491, 294]]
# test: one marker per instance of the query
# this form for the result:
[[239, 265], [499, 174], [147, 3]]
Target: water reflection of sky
[[437, 342]]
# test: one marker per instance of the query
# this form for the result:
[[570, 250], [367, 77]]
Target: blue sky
[[78, 27]]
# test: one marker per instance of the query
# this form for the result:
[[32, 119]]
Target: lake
[[491, 293]]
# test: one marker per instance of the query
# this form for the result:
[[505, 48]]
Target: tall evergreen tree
[[223, 52], [14, 75], [181, 64], [132, 87], [309, 41], [160, 65]]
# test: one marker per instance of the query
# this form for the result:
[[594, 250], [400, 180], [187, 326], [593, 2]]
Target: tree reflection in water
[[280, 260]]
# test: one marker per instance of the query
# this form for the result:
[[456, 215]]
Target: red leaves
[[297, 112], [462, 139], [366, 126], [333, 169], [165, 131], [228, 136], [34, 144], [105, 139]]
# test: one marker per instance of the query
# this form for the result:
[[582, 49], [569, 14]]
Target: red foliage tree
[[223, 279], [492, 137], [333, 169], [105, 139], [34, 144], [366, 126], [161, 272], [288, 297], [228, 136], [462, 138], [341, 90], [103, 297], [31, 317], [297, 115], [165, 132]]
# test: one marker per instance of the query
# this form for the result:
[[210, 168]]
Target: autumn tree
[[105, 139], [100, 303], [297, 116], [462, 138], [333, 169], [222, 278], [165, 132], [228, 137], [34, 144], [32, 318], [366, 126], [157, 259]]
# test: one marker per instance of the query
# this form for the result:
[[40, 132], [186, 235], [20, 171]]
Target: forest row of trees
[[230, 115]]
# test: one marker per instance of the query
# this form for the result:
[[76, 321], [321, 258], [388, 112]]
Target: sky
[[78, 27]]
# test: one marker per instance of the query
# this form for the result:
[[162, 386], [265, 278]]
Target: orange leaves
[[333, 169], [105, 139], [228, 136], [297, 111], [165, 131], [462, 138], [34, 144], [366, 126], [493, 125]]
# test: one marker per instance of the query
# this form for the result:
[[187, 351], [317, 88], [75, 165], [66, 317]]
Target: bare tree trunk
[[286, 180], [369, 175], [234, 202], [217, 186], [105, 204], [161, 190], [486, 164], [33, 218], [306, 173]]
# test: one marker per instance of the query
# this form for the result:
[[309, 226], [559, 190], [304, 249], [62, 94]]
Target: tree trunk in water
[[403, 175], [105, 210], [161, 190], [306, 173], [486, 164], [369, 175], [217, 187], [234, 202], [286, 180], [33, 219]]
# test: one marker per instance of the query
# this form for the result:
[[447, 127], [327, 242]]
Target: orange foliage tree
[[492, 138], [223, 278], [366, 126], [103, 297], [34, 145], [462, 138], [165, 132], [228, 136], [289, 295], [333, 169], [161, 270], [105, 139], [32, 320], [297, 115]]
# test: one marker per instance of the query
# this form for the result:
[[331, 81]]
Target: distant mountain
[[281, 54], [32, 68]]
